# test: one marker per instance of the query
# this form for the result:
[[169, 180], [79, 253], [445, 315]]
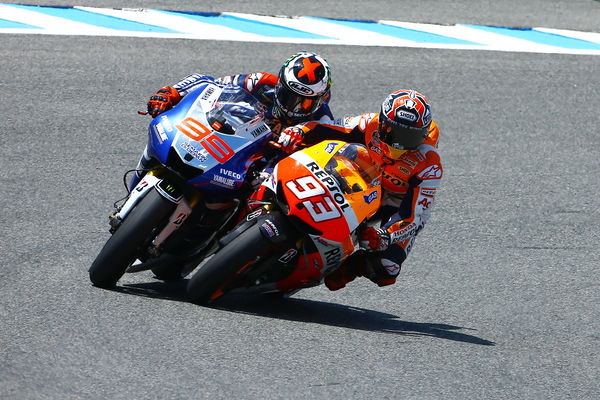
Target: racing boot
[[346, 273]]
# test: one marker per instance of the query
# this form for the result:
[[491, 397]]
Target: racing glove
[[163, 100], [290, 139], [374, 239]]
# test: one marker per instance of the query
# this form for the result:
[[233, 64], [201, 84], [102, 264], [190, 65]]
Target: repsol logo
[[393, 179], [332, 257], [330, 184]]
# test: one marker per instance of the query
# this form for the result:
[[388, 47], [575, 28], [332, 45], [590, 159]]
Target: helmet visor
[[400, 137], [294, 104]]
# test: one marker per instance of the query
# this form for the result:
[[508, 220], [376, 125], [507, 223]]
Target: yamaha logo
[[300, 88]]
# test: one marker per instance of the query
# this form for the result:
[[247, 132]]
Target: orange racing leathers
[[409, 188]]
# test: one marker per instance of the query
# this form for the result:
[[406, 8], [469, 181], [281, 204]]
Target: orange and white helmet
[[403, 122]]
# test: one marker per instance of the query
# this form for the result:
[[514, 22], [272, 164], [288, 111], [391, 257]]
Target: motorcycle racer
[[300, 93], [402, 139]]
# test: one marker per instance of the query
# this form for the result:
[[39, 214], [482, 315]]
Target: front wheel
[[212, 279], [123, 247]]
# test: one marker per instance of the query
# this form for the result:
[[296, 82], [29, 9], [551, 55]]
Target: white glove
[[290, 139]]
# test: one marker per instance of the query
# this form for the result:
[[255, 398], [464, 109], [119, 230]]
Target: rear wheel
[[123, 247], [216, 277]]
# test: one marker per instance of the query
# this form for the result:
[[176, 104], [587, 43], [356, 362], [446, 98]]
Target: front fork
[[181, 213], [168, 191], [135, 195]]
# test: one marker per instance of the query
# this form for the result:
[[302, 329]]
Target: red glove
[[290, 139], [374, 239], [163, 100]]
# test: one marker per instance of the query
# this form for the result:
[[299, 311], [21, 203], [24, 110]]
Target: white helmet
[[303, 86]]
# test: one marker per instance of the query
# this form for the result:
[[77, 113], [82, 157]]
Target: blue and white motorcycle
[[204, 153]]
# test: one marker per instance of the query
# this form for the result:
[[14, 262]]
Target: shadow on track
[[303, 310]]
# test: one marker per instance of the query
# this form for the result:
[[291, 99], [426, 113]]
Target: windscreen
[[354, 169], [233, 108]]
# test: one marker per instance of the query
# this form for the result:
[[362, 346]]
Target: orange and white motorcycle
[[304, 223]]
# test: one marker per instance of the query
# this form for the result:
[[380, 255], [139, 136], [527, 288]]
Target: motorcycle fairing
[[311, 162], [216, 177], [314, 175]]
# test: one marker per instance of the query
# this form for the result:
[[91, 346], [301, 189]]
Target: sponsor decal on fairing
[[371, 197], [331, 184], [255, 214], [259, 131], [287, 256], [159, 132], [270, 228], [223, 181], [194, 152], [322, 241], [333, 257], [271, 182], [331, 147], [180, 218], [331, 252], [230, 174], [164, 120]]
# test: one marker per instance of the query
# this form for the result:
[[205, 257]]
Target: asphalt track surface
[[499, 299]]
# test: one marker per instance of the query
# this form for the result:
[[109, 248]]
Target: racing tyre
[[213, 279], [122, 248]]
